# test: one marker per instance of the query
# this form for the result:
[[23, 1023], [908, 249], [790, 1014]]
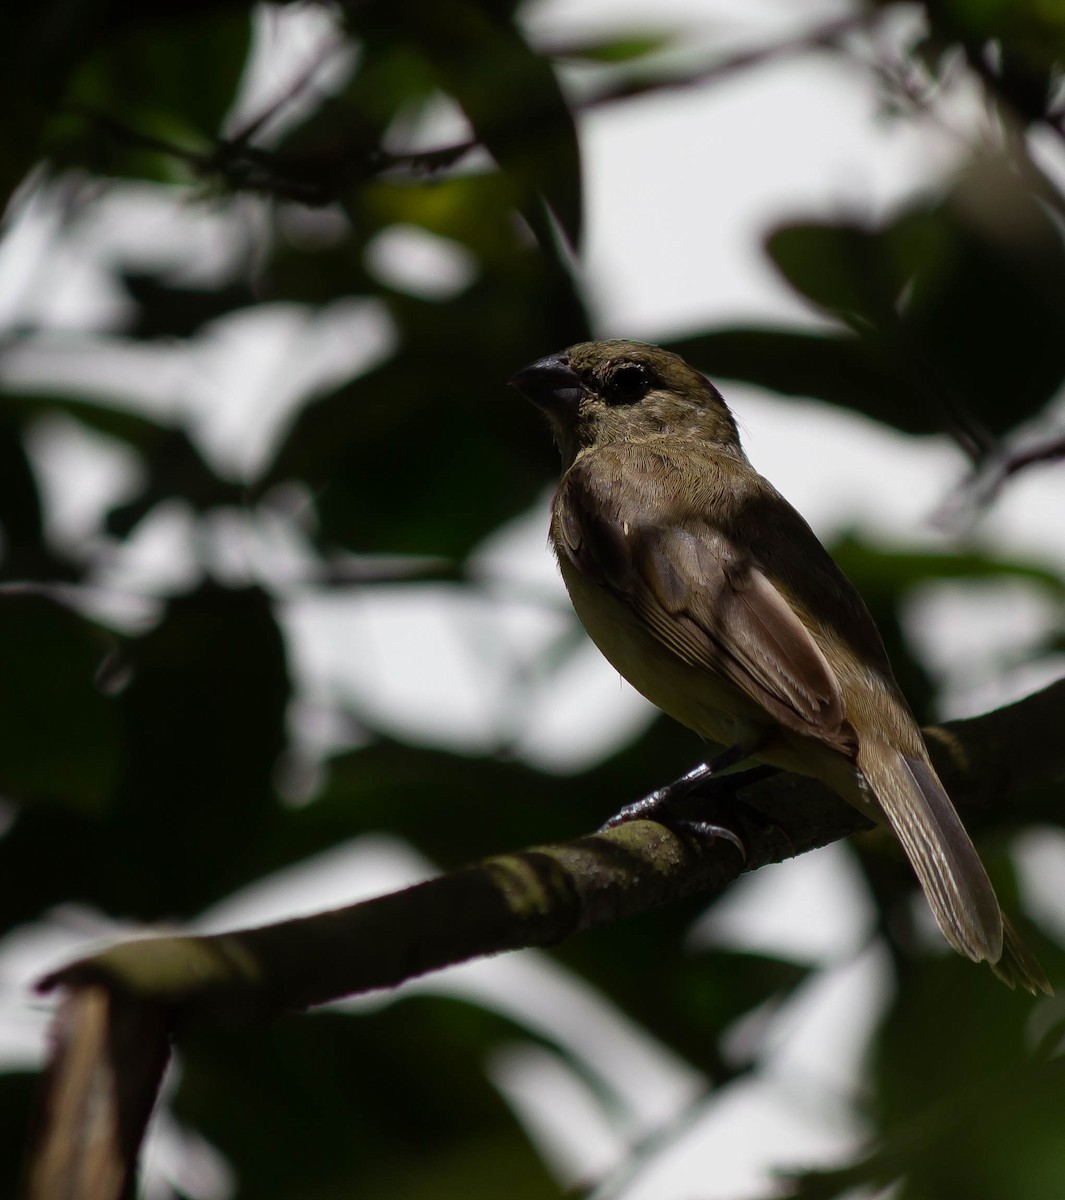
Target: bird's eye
[[628, 383]]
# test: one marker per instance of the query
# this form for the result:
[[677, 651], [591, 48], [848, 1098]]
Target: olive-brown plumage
[[714, 598]]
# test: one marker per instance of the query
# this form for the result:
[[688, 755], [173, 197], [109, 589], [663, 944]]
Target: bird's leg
[[658, 803], [662, 804]]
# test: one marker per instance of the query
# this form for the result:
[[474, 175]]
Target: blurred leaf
[[173, 464], [178, 812], [885, 578], [473, 209], [336, 147], [945, 992], [686, 1000], [991, 1115], [612, 49], [457, 808], [146, 67], [1030, 39], [953, 300], [139, 79], [18, 1093], [1040, 24], [391, 80], [841, 369], [61, 735], [21, 525], [981, 1123], [429, 452], [508, 92], [846, 269], [722, 985], [175, 468], [985, 1122], [898, 569], [399, 1098], [350, 444], [165, 310], [985, 314], [205, 714], [135, 429]]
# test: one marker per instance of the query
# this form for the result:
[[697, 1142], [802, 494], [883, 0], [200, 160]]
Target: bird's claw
[[664, 805], [650, 808], [657, 806], [705, 830]]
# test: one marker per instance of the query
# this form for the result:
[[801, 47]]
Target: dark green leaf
[[21, 525], [173, 778], [430, 451], [508, 92], [135, 429], [1029, 36], [952, 298], [845, 269], [616, 49], [881, 567], [61, 734], [168, 311], [175, 468], [841, 369], [400, 1104]]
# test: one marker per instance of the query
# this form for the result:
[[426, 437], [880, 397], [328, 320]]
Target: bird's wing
[[707, 601]]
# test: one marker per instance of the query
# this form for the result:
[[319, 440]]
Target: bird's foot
[[678, 804]]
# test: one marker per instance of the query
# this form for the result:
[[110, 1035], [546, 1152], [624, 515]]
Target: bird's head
[[597, 393]]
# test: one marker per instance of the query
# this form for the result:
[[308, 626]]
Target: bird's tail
[[946, 864], [1018, 965], [940, 851]]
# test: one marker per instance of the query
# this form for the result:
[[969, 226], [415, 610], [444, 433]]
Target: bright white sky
[[681, 189]]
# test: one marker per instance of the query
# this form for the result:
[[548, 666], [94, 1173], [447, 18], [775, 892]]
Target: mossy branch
[[536, 897], [998, 768]]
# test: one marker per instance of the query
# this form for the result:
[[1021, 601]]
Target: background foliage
[[150, 754]]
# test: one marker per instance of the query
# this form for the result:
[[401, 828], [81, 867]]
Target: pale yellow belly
[[715, 708]]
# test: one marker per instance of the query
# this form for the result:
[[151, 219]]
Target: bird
[[713, 597]]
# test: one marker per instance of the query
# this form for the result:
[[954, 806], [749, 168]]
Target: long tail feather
[[940, 851], [1018, 966]]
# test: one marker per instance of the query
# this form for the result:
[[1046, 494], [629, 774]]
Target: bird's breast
[[704, 701]]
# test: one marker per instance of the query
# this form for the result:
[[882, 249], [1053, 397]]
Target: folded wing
[[708, 603]]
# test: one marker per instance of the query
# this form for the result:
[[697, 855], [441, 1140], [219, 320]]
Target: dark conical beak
[[550, 383]]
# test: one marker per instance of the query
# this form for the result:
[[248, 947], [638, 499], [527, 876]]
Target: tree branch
[[108, 1058], [539, 896], [991, 765], [246, 166]]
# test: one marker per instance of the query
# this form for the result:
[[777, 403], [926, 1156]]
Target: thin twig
[[818, 38], [256, 169], [976, 493]]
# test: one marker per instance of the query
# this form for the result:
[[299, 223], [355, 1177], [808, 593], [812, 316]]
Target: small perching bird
[[705, 589]]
